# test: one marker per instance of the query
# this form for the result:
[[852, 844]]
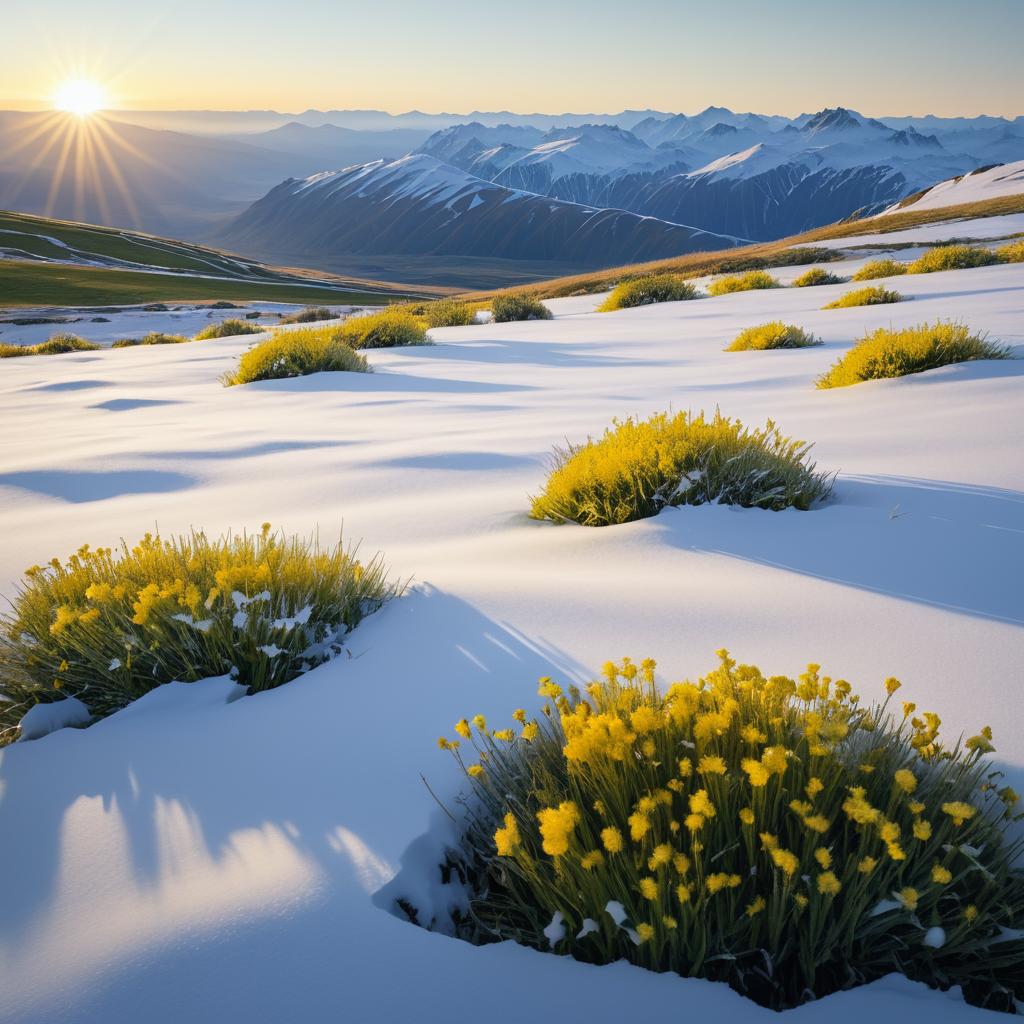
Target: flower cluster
[[742, 813], [109, 624]]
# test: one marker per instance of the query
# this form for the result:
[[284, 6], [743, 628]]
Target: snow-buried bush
[[309, 315], [516, 306], [646, 290], [751, 281], [448, 313], [774, 834], [875, 296], [295, 353], [953, 257], [58, 345], [1011, 253], [108, 625], [889, 352], [640, 467], [775, 334], [389, 328], [228, 329], [816, 276], [153, 338], [874, 269]]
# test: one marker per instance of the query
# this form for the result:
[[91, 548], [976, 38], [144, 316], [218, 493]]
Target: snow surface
[[135, 321], [1002, 180], [978, 229], [202, 857]]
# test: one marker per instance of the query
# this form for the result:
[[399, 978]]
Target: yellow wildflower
[[462, 728], [683, 892], [817, 823], [646, 719], [645, 932], [746, 816], [661, 855], [866, 865], [505, 735], [828, 884], [941, 875], [721, 880], [751, 734], [905, 779], [922, 830], [915, 807], [480, 722], [685, 768], [681, 863], [612, 839], [519, 715], [507, 838], [785, 861], [970, 913], [823, 857], [908, 896], [892, 685], [670, 923], [694, 822], [648, 888], [814, 787], [756, 772], [475, 770], [756, 907], [959, 811], [800, 900], [529, 732], [639, 825], [556, 825], [895, 851], [711, 765], [700, 803]]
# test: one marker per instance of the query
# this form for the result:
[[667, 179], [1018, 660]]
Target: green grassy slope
[[26, 283]]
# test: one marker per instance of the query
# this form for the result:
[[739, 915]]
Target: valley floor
[[197, 859]]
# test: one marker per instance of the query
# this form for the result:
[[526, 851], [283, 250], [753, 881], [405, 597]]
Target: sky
[[944, 57]]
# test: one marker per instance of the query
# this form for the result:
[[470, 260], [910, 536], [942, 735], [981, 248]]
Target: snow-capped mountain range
[[601, 193]]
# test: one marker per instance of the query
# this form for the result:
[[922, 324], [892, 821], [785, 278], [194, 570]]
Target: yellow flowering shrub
[[953, 257], [1012, 252], [711, 828], [646, 290], [56, 345], [750, 281], [640, 467], [874, 269], [510, 306], [387, 329], [449, 313], [872, 296], [295, 353], [107, 625], [230, 328], [889, 352], [775, 334]]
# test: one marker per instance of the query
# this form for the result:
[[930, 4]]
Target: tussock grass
[[108, 625], [895, 353], [55, 346], [775, 334], [228, 329], [638, 468], [1012, 253], [309, 315], [295, 353], [753, 279], [511, 306], [815, 276], [874, 296], [717, 827], [387, 329], [953, 257], [651, 288], [449, 313], [153, 338], [874, 269]]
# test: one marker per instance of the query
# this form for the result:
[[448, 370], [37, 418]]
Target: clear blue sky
[[786, 56]]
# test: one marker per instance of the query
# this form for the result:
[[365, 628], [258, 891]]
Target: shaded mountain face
[[419, 206]]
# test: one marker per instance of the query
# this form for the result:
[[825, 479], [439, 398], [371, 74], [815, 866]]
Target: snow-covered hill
[[209, 859], [989, 183]]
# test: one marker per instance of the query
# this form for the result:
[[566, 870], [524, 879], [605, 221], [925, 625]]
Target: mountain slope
[[418, 206]]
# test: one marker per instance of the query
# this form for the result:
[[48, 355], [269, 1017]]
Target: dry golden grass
[[761, 255]]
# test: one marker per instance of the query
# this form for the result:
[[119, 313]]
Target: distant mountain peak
[[832, 119]]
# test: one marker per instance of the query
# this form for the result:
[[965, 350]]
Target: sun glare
[[79, 96]]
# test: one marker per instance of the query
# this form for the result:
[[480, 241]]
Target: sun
[[79, 96]]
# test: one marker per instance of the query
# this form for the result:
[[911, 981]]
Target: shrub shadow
[[84, 486]]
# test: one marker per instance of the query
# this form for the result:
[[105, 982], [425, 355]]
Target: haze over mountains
[[519, 195]]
